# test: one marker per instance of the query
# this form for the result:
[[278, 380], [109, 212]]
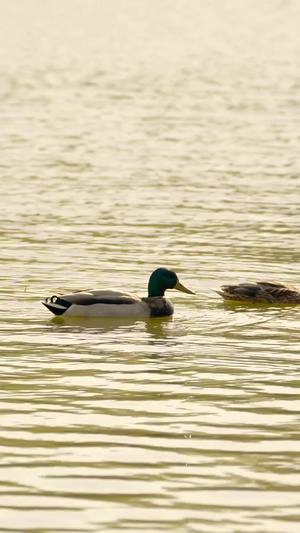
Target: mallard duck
[[269, 292], [114, 303]]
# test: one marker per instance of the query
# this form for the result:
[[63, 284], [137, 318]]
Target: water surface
[[137, 135]]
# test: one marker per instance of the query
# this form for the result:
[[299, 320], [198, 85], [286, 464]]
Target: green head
[[161, 280]]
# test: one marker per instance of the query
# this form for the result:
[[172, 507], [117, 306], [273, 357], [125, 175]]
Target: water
[[136, 135]]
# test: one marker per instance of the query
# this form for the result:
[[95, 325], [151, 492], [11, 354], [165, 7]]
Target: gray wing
[[101, 297]]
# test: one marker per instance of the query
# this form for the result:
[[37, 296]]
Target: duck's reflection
[[156, 328]]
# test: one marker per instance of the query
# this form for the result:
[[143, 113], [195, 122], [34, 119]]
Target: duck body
[[108, 303], [269, 292], [114, 303]]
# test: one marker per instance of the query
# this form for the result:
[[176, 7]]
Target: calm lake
[[137, 134]]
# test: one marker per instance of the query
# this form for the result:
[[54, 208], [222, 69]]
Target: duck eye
[[172, 276]]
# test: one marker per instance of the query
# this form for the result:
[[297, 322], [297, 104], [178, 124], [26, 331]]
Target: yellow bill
[[182, 288]]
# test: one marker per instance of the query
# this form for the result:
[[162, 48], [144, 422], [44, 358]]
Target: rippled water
[[138, 134]]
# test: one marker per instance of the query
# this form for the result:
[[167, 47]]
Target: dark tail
[[56, 305]]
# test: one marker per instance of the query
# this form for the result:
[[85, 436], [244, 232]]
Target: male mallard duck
[[114, 303], [269, 292]]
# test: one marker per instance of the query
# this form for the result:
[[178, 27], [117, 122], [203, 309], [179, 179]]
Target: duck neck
[[155, 287]]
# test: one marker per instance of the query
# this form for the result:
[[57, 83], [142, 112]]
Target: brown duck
[[269, 292]]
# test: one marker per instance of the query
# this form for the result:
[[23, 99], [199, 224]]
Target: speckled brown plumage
[[261, 292]]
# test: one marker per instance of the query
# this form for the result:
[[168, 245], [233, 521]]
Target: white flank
[[138, 309]]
